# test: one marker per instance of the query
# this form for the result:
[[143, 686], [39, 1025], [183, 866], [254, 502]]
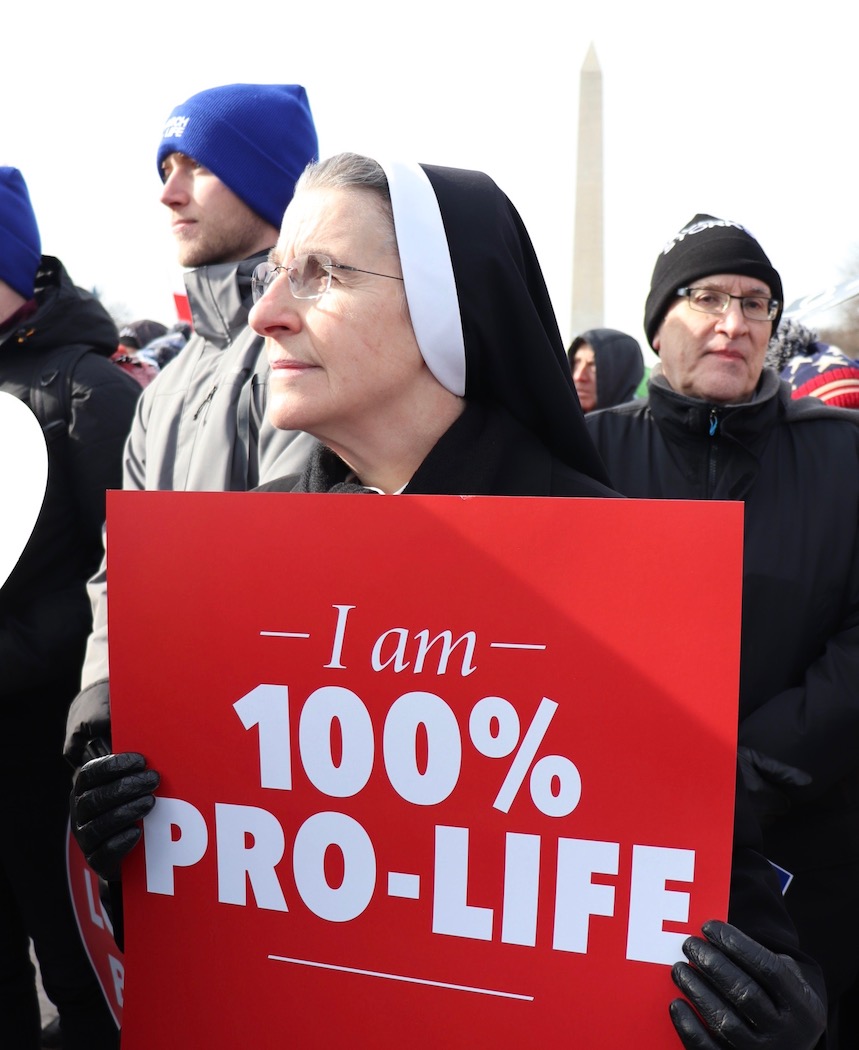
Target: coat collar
[[690, 417], [220, 298]]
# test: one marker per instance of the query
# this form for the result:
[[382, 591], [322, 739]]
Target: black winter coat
[[44, 610], [795, 466]]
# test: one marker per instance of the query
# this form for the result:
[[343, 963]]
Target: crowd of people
[[146, 346], [368, 327]]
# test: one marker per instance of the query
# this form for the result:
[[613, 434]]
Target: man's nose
[[733, 320], [174, 190]]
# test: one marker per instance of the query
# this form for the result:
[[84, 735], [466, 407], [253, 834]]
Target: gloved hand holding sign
[[745, 996], [111, 794]]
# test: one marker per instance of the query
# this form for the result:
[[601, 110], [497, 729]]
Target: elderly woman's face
[[344, 360]]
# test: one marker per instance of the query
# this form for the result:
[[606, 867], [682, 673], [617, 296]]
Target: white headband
[[427, 273]]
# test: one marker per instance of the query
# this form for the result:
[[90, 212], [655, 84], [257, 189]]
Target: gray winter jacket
[[200, 426]]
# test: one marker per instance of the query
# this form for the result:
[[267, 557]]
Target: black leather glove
[[769, 783], [110, 796], [746, 997]]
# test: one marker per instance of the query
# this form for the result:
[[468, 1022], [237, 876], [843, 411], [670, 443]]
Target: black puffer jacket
[[795, 466], [44, 609]]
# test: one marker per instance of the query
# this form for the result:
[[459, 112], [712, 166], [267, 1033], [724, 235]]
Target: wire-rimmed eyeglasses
[[711, 301], [309, 276]]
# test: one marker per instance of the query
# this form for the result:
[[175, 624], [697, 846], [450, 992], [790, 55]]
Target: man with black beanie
[[717, 424]]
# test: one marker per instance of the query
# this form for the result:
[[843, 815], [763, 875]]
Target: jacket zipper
[[205, 405], [711, 453]]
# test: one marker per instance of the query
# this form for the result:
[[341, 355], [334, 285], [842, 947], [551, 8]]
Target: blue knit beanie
[[257, 139], [20, 244]]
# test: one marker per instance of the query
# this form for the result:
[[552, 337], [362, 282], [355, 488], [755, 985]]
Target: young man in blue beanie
[[718, 424], [228, 158], [55, 346]]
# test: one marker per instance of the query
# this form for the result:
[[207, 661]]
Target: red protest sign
[[95, 928], [423, 764]]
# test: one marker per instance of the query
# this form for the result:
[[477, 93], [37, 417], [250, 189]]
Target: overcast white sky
[[746, 110]]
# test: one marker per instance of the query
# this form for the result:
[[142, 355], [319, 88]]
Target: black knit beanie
[[706, 246]]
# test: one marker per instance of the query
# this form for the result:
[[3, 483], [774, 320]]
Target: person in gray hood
[[607, 367], [228, 158]]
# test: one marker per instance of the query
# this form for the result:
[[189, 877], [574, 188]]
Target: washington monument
[[587, 309]]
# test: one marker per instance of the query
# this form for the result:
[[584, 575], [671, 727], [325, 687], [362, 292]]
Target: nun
[[409, 330], [421, 368]]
